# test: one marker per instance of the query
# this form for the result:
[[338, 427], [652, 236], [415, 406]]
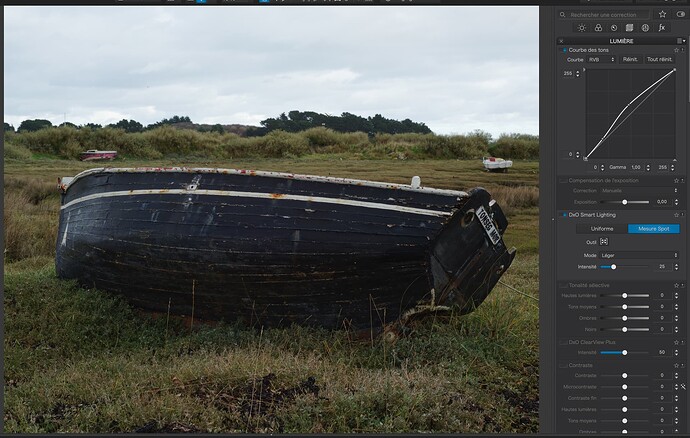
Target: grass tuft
[[30, 218], [512, 199], [12, 151]]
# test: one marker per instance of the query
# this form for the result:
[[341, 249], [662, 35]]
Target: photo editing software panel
[[620, 221]]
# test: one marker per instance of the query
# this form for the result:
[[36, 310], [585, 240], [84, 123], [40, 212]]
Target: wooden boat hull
[[275, 249]]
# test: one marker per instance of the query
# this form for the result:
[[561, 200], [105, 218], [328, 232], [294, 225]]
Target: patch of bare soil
[[257, 399]]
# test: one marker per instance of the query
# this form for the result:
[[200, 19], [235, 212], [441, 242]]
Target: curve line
[[613, 126]]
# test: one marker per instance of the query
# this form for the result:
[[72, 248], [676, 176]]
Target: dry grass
[[30, 217], [82, 361], [515, 198]]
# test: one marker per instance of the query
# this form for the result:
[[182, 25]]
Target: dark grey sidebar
[[615, 105], [546, 220]]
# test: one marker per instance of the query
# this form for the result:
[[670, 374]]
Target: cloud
[[445, 66], [318, 77]]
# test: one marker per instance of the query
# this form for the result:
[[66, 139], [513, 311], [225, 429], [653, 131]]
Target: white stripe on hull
[[261, 173], [260, 195]]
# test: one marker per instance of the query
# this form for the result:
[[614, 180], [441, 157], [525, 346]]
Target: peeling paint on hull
[[306, 250]]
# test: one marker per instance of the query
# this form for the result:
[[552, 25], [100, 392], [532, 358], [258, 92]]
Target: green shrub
[[281, 144], [454, 146], [324, 140], [516, 146], [15, 151], [320, 137], [106, 139], [46, 141], [171, 141], [167, 141], [234, 146], [71, 149]]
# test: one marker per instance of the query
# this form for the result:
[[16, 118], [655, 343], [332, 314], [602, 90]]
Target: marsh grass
[[81, 360], [13, 151], [30, 217], [516, 198], [168, 142]]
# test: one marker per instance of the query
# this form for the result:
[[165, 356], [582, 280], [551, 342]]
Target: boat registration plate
[[488, 225]]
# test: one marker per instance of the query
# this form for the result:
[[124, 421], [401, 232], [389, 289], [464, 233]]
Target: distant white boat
[[493, 164]]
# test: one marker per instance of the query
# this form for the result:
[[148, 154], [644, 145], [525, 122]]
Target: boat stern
[[469, 256]]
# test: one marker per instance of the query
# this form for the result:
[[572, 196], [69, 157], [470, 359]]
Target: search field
[[604, 14]]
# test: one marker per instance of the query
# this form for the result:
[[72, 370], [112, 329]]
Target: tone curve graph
[[630, 107]]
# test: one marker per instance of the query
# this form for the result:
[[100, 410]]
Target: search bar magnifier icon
[[562, 14]]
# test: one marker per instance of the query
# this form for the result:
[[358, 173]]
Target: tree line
[[289, 135], [298, 121], [130, 126], [293, 121]]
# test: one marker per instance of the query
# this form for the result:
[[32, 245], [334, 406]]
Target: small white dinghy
[[493, 164]]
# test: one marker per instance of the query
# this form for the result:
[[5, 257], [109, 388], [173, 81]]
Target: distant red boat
[[93, 154]]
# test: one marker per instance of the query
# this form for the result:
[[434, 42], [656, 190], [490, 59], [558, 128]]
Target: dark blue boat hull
[[274, 251]]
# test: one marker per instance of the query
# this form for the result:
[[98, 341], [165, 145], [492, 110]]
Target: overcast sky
[[456, 69]]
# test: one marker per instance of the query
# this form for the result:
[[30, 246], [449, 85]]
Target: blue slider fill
[[653, 228], [611, 352]]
